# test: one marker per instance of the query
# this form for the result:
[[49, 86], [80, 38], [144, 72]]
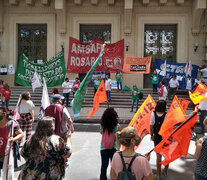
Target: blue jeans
[[199, 177], [108, 95], [119, 84], [106, 154], [137, 102], [66, 97], [154, 87], [202, 117], [5, 103]]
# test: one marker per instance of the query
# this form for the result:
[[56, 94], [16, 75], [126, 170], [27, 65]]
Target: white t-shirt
[[26, 107], [66, 85], [108, 84], [173, 83], [204, 72]]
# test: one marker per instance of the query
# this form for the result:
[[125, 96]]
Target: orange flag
[[184, 104], [141, 120], [177, 143], [199, 94], [99, 97], [174, 116]]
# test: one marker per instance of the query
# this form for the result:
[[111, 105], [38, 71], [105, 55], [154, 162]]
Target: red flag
[[141, 120], [177, 143], [184, 104], [174, 116], [99, 97]]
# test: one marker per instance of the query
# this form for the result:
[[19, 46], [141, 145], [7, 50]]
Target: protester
[[63, 121], [76, 85], [201, 156], [108, 88], [162, 91], [26, 111], [96, 84], [5, 95], [157, 118], [66, 91], [119, 79], [173, 87], [5, 128], [203, 70], [155, 81], [108, 129], [45, 153], [54, 91], [135, 97], [203, 114], [129, 138]]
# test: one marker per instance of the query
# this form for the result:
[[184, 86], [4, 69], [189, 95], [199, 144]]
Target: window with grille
[[32, 41]]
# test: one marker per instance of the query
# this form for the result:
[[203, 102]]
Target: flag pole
[[178, 128]]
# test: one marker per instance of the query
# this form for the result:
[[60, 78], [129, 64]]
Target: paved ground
[[85, 160]]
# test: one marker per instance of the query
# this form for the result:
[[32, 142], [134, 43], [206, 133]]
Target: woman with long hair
[[109, 127], [140, 167], [45, 153], [26, 111], [157, 119]]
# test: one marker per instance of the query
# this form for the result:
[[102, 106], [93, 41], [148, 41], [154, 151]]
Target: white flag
[[186, 70], [45, 102], [164, 70], [36, 82], [189, 68]]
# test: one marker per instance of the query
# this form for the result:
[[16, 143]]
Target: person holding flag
[[5, 127], [157, 118], [96, 84], [201, 156]]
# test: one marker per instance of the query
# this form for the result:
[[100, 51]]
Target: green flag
[[80, 93], [52, 70]]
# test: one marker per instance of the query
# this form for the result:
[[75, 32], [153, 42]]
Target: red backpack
[[108, 139]]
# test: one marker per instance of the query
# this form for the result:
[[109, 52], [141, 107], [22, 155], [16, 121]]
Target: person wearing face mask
[[26, 111], [45, 153], [5, 127], [157, 119], [76, 85], [140, 167]]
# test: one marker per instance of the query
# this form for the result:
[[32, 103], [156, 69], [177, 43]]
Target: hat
[[134, 85], [57, 97]]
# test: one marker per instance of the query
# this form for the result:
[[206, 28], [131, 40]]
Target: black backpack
[[126, 174], [141, 95]]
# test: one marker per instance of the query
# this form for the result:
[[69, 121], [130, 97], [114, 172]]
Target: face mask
[[1, 117]]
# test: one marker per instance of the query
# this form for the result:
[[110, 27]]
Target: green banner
[[53, 70]]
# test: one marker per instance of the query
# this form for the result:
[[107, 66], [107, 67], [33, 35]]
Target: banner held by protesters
[[99, 97], [76, 103]]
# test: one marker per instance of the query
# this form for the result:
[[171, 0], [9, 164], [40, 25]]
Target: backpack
[[126, 174], [108, 139], [141, 95]]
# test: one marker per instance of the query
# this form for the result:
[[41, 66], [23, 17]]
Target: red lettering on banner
[[83, 55]]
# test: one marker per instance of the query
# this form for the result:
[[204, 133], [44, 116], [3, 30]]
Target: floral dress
[[48, 166]]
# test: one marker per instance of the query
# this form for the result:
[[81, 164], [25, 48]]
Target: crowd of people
[[46, 152]]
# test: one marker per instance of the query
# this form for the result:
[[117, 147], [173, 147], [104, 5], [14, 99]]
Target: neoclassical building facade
[[172, 29]]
